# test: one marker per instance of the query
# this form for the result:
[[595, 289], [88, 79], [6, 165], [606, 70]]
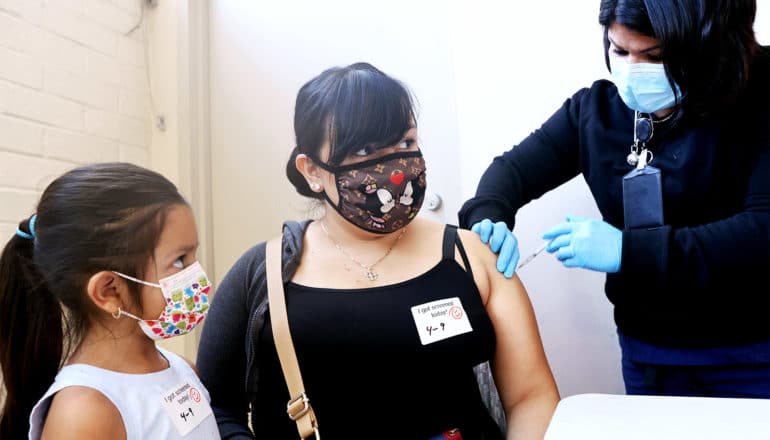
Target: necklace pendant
[[372, 275]]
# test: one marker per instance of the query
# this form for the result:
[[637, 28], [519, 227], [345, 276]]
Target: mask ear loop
[[333, 171], [120, 311], [136, 280]]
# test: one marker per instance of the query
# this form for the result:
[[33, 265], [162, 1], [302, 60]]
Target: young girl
[[104, 268]]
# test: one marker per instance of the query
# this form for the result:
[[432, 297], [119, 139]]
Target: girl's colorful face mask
[[187, 302]]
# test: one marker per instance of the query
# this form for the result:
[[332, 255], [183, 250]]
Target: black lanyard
[[642, 187]]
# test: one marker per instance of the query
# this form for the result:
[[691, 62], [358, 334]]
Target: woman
[[366, 290], [685, 235]]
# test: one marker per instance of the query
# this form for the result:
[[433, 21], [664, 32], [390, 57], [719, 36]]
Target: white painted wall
[[73, 90]]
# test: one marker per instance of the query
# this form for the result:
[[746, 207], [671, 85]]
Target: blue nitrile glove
[[501, 240], [590, 244]]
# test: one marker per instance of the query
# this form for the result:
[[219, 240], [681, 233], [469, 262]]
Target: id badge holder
[[643, 196]]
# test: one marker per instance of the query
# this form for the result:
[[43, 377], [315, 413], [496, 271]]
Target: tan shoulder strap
[[298, 408]]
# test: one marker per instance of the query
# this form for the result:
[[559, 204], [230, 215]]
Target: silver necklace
[[371, 274]]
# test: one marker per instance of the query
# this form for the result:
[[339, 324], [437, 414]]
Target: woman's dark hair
[[708, 46], [93, 218], [351, 107]]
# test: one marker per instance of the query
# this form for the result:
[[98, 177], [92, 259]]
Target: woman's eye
[[365, 151], [179, 263], [406, 143], [620, 52]]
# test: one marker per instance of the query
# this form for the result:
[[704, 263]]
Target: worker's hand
[[502, 242], [590, 244]]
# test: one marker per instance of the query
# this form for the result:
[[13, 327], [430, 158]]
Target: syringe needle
[[532, 256]]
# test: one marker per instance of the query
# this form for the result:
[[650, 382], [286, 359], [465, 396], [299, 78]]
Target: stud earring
[[315, 186]]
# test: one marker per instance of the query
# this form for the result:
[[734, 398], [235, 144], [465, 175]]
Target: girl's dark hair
[[351, 107], [708, 46], [99, 217]]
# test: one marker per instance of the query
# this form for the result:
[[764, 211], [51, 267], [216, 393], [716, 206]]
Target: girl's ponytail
[[31, 335]]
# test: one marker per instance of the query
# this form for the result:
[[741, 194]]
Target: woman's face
[[632, 46], [407, 143], [377, 197]]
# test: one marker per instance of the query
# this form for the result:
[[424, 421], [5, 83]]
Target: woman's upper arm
[[81, 412], [221, 354], [221, 359], [520, 366]]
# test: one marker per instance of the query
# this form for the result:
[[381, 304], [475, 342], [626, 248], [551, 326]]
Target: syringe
[[533, 255]]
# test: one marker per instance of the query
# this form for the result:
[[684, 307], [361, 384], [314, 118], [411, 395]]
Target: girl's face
[[633, 46], [175, 251]]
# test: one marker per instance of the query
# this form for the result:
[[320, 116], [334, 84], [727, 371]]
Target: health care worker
[[675, 152]]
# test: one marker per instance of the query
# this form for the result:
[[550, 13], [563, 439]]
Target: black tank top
[[365, 370]]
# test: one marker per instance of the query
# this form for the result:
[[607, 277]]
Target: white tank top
[[161, 405]]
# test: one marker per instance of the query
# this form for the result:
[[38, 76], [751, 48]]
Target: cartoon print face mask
[[187, 302], [380, 195]]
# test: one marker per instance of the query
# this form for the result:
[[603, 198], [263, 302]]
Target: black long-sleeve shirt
[[702, 279]]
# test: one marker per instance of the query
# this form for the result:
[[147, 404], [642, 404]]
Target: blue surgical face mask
[[643, 87]]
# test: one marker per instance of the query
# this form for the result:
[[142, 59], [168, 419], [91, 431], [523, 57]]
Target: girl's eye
[[620, 52], [406, 143], [179, 263]]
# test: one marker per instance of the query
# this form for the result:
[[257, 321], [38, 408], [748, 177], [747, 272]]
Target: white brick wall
[[73, 90]]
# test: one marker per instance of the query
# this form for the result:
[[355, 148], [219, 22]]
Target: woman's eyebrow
[[649, 49]]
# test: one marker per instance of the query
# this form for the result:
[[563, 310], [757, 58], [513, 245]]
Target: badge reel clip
[[642, 188], [643, 130]]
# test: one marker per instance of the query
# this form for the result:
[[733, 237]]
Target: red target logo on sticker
[[195, 395], [456, 312]]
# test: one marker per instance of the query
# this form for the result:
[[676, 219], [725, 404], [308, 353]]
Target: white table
[[620, 417]]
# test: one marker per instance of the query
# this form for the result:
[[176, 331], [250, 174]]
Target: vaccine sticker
[[442, 319], [186, 406]]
